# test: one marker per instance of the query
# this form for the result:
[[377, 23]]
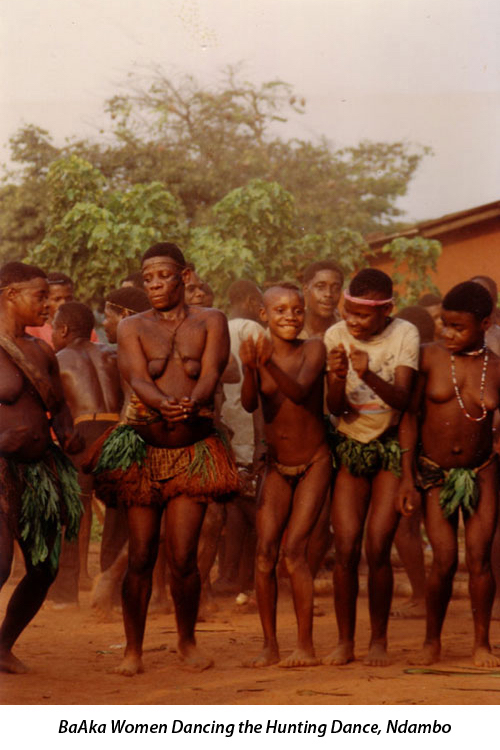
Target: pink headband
[[370, 302]]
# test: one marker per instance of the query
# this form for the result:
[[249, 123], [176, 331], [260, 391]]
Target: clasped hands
[[254, 354], [175, 410], [338, 361]]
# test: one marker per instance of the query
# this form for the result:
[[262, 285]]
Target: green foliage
[[413, 258], [205, 167], [260, 215], [123, 448], [22, 220], [253, 237], [364, 459], [97, 237], [23, 204], [221, 261], [459, 489], [71, 180], [204, 142], [349, 249]]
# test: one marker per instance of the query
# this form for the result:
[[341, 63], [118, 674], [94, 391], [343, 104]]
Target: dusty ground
[[71, 655]]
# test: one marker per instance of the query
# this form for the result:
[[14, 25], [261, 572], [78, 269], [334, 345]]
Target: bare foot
[[265, 659], [429, 655], [484, 658], [377, 656], [300, 658], [130, 666], [413, 608], [343, 654], [10, 663], [193, 658]]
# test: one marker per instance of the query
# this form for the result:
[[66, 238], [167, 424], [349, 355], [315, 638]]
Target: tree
[[252, 235], [97, 236], [413, 258], [23, 205], [203, 142], [204, 164]]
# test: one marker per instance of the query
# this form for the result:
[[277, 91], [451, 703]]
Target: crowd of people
[[260, 440]]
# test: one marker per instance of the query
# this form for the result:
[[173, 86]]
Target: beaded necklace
[[484, 414]]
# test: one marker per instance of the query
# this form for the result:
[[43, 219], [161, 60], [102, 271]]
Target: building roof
[[436, 227]]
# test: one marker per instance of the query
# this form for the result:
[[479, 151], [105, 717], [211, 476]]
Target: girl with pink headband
[[372, 359]]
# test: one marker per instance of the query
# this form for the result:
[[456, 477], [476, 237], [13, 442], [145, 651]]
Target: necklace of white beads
[[484, 414]]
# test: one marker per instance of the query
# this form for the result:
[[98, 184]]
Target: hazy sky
[[423, 71]]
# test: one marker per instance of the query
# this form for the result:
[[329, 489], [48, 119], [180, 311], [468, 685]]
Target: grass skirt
[[459, 486], [128, 471], [366, 459], [49, 499]]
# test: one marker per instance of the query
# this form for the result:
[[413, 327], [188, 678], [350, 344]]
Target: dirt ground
[[71, 655]]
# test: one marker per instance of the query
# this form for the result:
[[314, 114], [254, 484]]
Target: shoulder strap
[[37, 380]]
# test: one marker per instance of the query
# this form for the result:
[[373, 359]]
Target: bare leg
[[236, 530], [380, 530], [442, 533], [108, 583], [495, 565], [18, 567], [321, 537], [408, 541], [272, 515], [246, 578], [308, 501], [351, 497], [479, 531], [85, 581], [159, 596], [144, 532], [24, 603], [184, 519]]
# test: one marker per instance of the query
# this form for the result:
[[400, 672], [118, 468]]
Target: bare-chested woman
[[448, 442], [172, 356]]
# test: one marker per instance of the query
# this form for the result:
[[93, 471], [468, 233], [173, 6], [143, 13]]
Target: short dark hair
[[128, 298], [429, 300], [78, 317], [135, 279], [421, 319], [165, 250], [57, 277], [371, 280], [469, 297], [285, 285], [16, 272], [241, 289], [312, 269]]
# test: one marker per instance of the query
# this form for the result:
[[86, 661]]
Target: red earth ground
[[72, 654]]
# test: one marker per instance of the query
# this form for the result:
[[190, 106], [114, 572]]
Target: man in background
[[91, 386]]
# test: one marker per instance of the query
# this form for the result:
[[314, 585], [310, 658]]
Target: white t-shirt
[[397, 345], [233, 414]]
